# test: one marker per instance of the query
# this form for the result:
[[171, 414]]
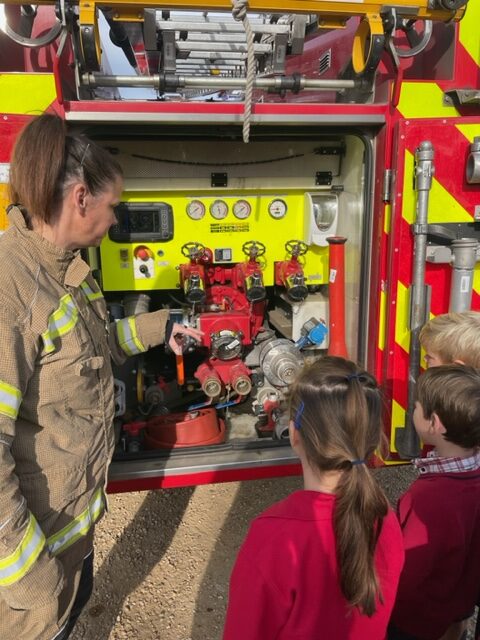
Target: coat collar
[[67, 267]]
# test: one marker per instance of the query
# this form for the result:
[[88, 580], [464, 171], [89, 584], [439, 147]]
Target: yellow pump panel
[[230, 233]]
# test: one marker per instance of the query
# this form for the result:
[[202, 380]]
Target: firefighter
[[56, 383]]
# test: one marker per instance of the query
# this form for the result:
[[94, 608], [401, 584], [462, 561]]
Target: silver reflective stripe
[[90, 293], [127, 336], [10, 400], [61, 321], [16, 565], [78, 527]]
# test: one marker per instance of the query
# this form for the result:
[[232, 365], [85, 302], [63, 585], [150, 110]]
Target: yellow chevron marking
[[398, 421], [402, 334], [469, 31], [476, 280], [469, 130], [4, 202], [388, 218], [423, 100], [26, 93], [442, 206], [382, 320]]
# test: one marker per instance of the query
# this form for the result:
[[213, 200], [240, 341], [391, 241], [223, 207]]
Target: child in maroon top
[[440, 513], [325, 562]]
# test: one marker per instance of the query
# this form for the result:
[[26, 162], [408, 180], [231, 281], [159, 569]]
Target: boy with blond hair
[[452, 337], [440, 512]]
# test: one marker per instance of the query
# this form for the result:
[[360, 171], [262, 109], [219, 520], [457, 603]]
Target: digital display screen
[[142, 222]]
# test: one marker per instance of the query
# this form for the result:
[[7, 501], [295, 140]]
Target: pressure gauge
[[277, 209], [242, 209], [195, 210], [219, 209]]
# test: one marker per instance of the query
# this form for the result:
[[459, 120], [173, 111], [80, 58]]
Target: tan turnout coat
[[56, 413]]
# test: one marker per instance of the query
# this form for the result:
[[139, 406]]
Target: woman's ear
[[79, 195]]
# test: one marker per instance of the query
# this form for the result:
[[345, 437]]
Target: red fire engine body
[[301, 178]]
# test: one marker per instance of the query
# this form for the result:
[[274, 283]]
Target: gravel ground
[[163, 558]]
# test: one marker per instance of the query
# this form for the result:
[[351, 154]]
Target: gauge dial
[[277, 209], [219, 209], [242, 209], [195, 210]]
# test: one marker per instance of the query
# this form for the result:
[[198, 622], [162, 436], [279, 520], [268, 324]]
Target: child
[[440, 512], [449, 338], [324, 562], [452, 337]]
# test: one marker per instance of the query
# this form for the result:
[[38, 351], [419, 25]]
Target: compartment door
[[454, 204]]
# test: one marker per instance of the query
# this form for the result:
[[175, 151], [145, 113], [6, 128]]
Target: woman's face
[[99, 214]]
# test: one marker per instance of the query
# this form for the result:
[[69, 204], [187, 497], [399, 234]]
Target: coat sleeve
[[135, 334], [29, 576], [256, 608], [419, 540]]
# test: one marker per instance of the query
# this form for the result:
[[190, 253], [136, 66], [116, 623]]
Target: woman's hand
[[176, 339]]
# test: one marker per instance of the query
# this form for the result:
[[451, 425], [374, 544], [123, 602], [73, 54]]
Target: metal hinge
[[387, 185]]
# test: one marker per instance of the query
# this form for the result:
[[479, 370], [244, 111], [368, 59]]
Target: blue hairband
[[355, 462], [297, 421], [354, 376]]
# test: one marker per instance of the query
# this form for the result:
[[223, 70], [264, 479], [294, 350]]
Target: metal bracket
[[461, 97], [219, 179], [323, 178]]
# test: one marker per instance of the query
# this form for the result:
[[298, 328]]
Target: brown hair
[[453, 336], [337, 408], [46, 161], [453, 392]]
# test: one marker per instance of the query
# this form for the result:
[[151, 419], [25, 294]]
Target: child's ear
[[437, 424], [293, 434], [459, 362]]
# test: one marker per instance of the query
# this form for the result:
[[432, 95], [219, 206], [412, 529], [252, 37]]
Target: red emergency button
[[143, 253]]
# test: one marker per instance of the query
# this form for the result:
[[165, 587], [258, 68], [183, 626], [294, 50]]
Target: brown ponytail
[[46, 161], [336, 407]]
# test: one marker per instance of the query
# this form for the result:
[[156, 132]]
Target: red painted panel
[[10, 126], [207, 477]]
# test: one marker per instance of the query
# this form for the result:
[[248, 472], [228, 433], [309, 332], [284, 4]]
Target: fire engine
[[302, 177]]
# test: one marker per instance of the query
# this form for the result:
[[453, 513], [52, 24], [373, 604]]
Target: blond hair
[[453, 336]]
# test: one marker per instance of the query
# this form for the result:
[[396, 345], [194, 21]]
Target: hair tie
[[298, 415], [354, 376], [355, 462]]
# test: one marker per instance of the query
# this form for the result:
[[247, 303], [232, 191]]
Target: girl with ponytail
[[325, 562]]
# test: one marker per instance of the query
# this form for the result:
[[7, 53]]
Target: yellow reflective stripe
[[16, 565], [90, 293], [424, 100], [127, 336], [10, 400], [26, 93], [78, 527], [469, 32], [61, 321]]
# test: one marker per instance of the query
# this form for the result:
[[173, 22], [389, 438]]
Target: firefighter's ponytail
[[336, 407], [46, 161]]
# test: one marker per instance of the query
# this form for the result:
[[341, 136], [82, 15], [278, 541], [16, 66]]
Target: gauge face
[[242, 209], [219, 209], [195, 210], [277, 209]]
